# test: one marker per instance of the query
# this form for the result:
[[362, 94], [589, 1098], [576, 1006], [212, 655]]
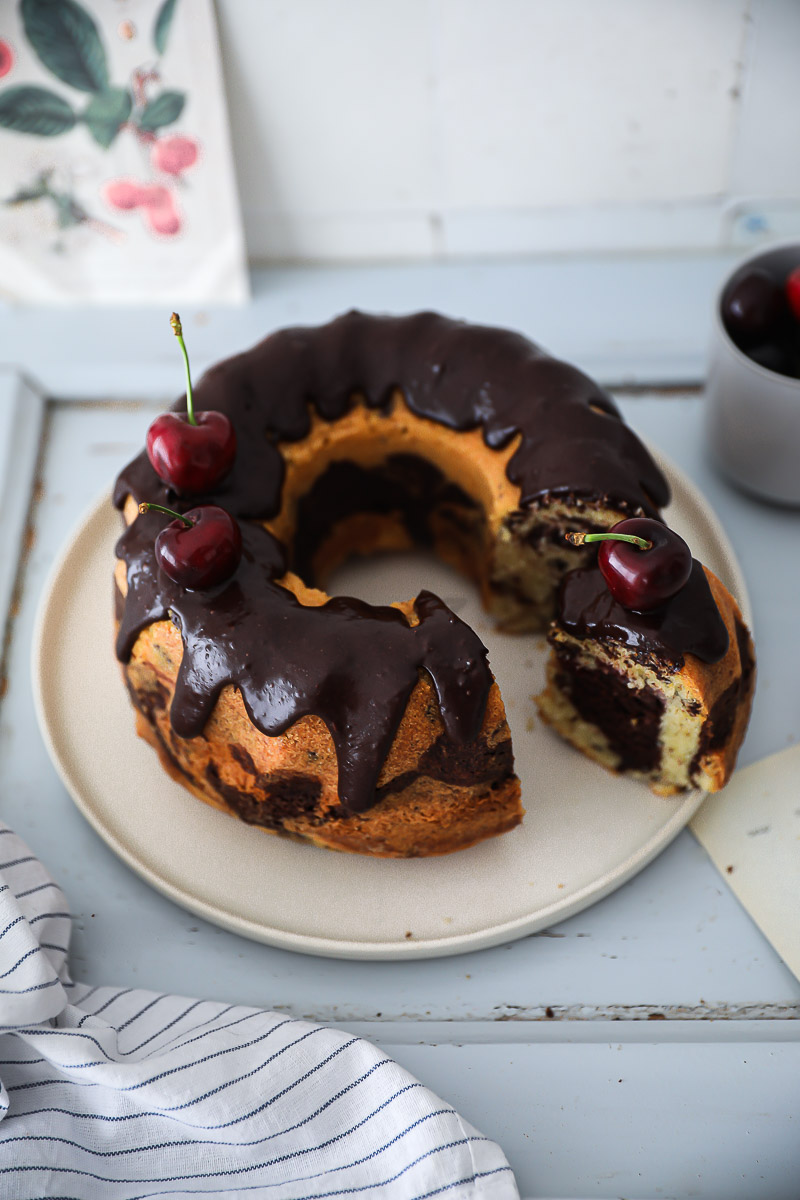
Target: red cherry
[[191, 458], [199, 549], [124, 194], [174, 154], [793, 292], [644, 579], [161, 211], [190, 453], [6, 58], [752, 307]]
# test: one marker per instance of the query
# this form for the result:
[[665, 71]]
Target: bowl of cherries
[[753, 387]]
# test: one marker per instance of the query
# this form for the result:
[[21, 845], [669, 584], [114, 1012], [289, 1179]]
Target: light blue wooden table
[[649, 1047]]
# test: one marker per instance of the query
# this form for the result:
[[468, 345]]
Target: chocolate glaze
[[689, 623], [351, 664], [573, 439]]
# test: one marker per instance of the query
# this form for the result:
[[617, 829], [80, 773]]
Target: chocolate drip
[[352, 664], [689, 623]]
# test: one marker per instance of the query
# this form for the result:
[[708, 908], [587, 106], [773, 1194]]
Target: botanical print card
[[116, 174]]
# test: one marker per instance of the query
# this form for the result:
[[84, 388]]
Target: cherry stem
[[145, 507], [578, 539], [177, 329]]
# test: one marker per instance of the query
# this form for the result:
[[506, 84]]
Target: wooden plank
[[639, 1121], [21, 419]]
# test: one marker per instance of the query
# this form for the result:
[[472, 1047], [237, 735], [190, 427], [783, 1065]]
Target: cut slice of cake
[[663, 696]]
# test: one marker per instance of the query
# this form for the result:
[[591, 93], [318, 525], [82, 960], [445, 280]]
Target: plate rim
[[347, 949]]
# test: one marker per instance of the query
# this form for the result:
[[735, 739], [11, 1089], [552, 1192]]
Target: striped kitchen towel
[[123, 1094]]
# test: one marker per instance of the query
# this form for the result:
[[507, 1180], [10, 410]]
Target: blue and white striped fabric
[[123, 1094]]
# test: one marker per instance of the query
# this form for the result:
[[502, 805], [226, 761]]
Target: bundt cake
[[381, 730]]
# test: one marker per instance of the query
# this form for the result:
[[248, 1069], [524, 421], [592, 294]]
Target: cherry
[[6, 58], [752, 307], [792, 289], [642, 561], [125, 194], [174, 154], [160, 211], [199, 548], [190, 453]]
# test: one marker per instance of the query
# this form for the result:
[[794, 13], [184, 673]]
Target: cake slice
[[662, 696]]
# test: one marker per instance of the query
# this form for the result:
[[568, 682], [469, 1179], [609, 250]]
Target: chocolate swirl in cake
[[349, 663]]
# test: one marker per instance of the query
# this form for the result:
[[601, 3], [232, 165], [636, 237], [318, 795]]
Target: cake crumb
[[409, 933], [729, 870]]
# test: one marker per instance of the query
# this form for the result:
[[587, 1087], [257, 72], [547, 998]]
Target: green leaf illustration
[[27, 195], [68, 211], [106, 113], [165, 109], [29, 109], [162, 25], [67, 41]]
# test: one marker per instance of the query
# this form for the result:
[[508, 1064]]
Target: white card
[[751, 830]]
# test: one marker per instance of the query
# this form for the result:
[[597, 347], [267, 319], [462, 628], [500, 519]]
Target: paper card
[[116, 174], [751, 830]]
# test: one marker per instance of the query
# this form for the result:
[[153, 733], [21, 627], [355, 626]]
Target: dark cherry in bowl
[[757, 313]]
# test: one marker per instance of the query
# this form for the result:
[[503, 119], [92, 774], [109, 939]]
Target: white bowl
[[752, 412]]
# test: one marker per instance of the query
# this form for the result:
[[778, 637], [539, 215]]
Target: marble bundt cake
[[380, 730]]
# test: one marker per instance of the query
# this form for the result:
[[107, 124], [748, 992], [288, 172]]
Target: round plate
[[585, 833]]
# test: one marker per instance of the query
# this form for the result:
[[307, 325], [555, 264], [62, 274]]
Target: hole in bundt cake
[[389, 480], [405, 501]]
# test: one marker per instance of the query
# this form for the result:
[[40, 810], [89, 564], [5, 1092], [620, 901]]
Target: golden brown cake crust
[[432, 799], [727, 689]]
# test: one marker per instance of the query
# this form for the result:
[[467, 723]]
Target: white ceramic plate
[[585, 833]]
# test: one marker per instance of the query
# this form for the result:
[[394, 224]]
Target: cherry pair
[[192, 453]]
